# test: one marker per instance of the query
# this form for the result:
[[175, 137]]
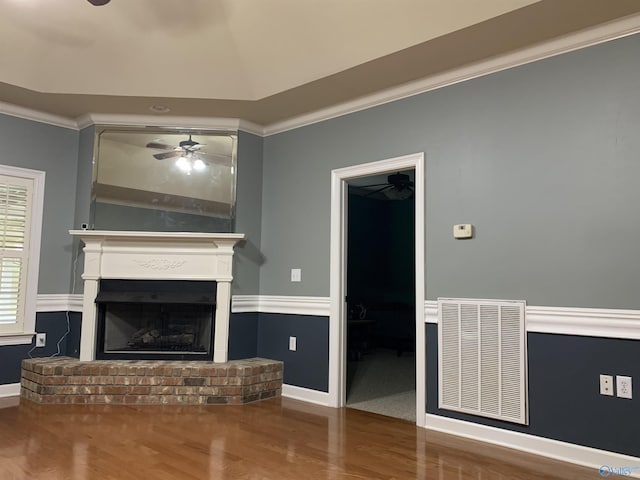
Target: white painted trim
[[305, 394], [37, 116], [431, 311], [35, 237], [563, 451], [585, 38], [587, 322], [245, 303], [59, 302], [295, 305], [9, 390], [337, 276], [214, 123], [16, 339], [591, 322]]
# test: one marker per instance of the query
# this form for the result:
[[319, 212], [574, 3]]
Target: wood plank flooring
[[272, 439]]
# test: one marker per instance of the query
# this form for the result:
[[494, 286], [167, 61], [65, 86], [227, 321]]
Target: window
[[21, 204]]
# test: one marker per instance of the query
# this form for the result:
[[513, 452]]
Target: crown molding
[[586, 38], [37, 116], [568, 43], [169, 121]]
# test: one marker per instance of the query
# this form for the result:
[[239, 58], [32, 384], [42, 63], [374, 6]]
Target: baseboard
[[10, 390], [305, 394], [563, 451]]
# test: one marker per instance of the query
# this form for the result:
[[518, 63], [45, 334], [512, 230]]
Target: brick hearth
[[64, 380]]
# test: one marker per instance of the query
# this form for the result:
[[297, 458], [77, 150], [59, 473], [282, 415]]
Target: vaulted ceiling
[[264, 61]]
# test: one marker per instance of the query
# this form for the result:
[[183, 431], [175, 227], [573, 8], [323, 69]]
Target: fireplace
[[155, 319], [197, 267]]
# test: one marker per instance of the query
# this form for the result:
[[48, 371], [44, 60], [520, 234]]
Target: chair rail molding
[[586, 322], [295, 305]]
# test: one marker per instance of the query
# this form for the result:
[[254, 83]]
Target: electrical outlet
[[606, 385], [292, 344], [623, 386], [41, 339]]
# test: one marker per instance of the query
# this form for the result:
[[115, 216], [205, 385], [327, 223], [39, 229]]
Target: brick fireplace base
[[64, 380]]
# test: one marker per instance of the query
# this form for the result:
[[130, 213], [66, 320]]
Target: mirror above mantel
[[163, 180]]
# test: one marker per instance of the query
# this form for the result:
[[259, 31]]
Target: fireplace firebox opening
[[155, 319]]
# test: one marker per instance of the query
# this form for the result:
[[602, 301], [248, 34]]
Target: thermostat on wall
[[463, 230]]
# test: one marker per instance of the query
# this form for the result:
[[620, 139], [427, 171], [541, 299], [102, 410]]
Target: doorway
[[338, 334], [380, 285]]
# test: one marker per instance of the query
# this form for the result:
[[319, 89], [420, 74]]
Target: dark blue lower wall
[[243, 335], [308, 366], [564, 399], [54, 324]]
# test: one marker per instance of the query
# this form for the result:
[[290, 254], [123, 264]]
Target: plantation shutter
[[15, 212]]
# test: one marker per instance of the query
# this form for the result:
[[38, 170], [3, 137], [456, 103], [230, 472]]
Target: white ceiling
[[262, 60], [225, 49]]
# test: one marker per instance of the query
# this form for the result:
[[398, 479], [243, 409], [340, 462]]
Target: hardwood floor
[[272, 439]]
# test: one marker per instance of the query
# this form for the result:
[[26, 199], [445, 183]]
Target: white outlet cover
[[463, 230], [296, 275], [606, 385], [624, 387], [293, 344]]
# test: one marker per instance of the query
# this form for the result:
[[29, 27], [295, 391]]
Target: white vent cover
[[482, 358]]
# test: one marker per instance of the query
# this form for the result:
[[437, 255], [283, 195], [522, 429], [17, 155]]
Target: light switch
[[462, 230], [296, 275]]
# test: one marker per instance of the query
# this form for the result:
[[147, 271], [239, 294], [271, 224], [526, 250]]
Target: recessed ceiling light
[[159, 108]]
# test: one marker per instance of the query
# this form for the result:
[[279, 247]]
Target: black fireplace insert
[[155, 319]]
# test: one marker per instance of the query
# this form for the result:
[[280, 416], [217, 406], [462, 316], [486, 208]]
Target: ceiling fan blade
[[374, 185], [386, 187], [164, 156], [214, 158], [160, 146]]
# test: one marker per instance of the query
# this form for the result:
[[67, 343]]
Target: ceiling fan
[[98, 3], [188, 155], [397, 187]]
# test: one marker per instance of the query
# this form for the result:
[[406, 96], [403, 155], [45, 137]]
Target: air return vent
[[482, 358]]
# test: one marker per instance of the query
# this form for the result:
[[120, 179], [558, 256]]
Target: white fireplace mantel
[[157, 256]]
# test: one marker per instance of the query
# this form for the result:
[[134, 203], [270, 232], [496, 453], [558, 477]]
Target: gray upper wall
[[248, 259], [543, 160], [54, 150]]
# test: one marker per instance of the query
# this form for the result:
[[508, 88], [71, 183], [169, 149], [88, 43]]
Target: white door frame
[[337, 323]]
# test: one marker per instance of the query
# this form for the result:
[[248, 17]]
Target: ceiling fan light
[[198, 165], [183, 164]]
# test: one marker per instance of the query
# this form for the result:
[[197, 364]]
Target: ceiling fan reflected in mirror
[[188, 155], [397, 187], [98, 3]]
